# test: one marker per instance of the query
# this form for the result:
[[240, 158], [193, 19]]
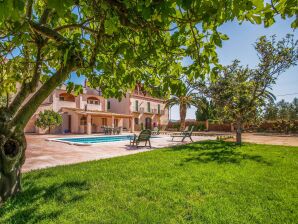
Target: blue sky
[[240, 46]]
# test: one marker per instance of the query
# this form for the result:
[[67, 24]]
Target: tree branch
[[27, 88], [29, 9], [47, 32], [27, 111]]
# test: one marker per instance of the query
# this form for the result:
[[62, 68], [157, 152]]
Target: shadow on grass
[[24, 208], [216, 151]]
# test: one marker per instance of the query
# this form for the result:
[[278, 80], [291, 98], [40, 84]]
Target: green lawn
[[209, 182]]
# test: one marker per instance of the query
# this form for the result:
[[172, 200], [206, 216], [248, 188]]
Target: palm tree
[[185, 99]]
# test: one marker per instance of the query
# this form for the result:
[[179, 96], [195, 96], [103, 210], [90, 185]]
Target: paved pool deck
[[41, 153]]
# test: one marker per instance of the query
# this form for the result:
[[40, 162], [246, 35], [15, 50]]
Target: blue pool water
[[90, 140]]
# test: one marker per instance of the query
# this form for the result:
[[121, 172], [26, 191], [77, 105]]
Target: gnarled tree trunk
[[12, 157], [12, 123]]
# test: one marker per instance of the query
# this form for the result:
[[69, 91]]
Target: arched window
[[67, 97], [93, 100]]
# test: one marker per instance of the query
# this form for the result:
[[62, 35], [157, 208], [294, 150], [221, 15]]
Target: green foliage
[[185, 98], [116, 44], [183, 184], [205, 110], [3, 101], [281, 110], [120, 43], [240, 91], [48, 119]]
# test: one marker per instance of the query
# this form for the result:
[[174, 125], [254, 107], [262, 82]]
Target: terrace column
[[132, 124], [120, 124], [89, 130], [113, 119]]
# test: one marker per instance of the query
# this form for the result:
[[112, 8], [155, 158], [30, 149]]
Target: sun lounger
[[144, 136], [183, 134]]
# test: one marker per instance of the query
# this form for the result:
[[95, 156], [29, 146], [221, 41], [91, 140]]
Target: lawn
[[208, 182]]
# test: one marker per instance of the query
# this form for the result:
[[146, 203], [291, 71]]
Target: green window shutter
[[158, 108], [137, 105], [148, 106]]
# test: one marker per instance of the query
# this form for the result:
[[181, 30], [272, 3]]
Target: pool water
[[98, 139]]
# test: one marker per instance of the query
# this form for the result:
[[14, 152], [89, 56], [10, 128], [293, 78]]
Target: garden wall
[[278, 126]]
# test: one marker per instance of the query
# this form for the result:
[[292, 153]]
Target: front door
[[148, 123]]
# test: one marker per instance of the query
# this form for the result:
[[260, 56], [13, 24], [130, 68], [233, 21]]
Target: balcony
[[138, 110], [155, 111], [162, 112], [151, 111], [68, 104], [94, 107]]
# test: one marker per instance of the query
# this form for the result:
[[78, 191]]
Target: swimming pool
[[93, 140]]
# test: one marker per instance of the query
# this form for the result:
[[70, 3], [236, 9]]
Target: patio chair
[[117, 130], [107, 130], [184, 134], [144, 136], [155, 131]]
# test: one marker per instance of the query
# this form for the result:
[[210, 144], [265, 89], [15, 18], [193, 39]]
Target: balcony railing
[[93, 106], [160, 112], [152, 111], [139, 110]]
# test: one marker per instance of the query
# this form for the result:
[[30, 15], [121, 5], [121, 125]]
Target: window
[[148, 107], [67, 97], [93, 100], [158, 108], [136, 121], [137, 105], [104, 121], [109, 105]]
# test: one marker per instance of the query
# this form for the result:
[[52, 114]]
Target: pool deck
[[41, 153]]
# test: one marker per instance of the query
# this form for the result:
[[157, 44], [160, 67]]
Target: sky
[[240, 46]]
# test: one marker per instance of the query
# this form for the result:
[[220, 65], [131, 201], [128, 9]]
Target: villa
[[88, 112]]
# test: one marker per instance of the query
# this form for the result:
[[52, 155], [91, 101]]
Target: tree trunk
[[13, 121], [12, 157], [239, 132], [182, 116]]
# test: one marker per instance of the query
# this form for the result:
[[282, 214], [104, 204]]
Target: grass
[[209, 182]]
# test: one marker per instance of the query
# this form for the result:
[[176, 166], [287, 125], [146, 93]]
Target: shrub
[[48, 119]]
